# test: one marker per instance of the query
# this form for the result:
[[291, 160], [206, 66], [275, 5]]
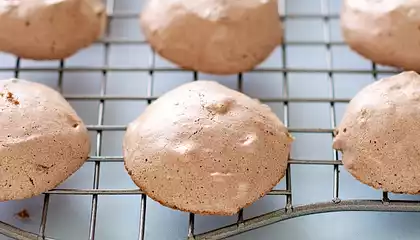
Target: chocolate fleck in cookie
[[49, 30], [378, 134], [43, 141], [206, 149], [386, 32], [213, 36]]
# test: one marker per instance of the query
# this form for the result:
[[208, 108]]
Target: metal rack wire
[[290, 211]]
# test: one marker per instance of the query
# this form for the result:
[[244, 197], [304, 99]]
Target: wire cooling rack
[[285, 69]]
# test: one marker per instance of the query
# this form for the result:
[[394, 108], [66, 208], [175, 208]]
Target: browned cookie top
[[213, 36], [206, 149], [379, 134], [42, 139], [45, 29], [385, 31]]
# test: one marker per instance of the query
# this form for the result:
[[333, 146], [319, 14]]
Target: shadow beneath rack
[[269, 218]]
